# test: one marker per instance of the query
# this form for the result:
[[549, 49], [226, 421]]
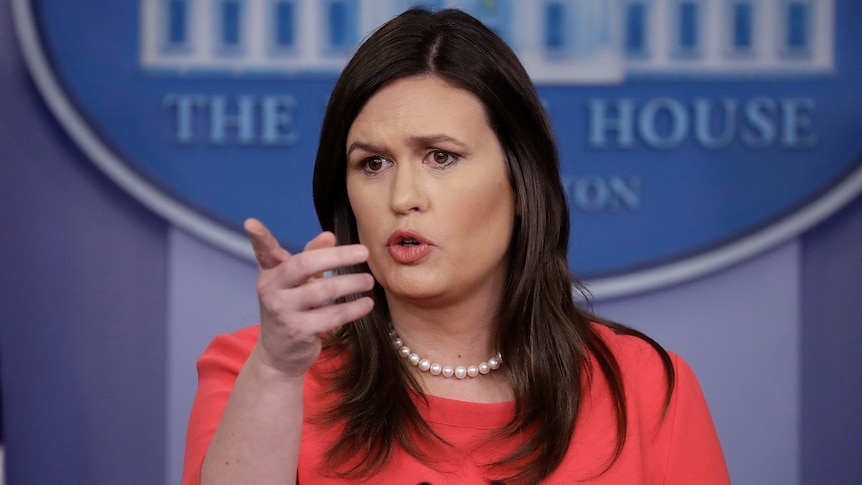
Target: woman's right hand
[[295, 298]]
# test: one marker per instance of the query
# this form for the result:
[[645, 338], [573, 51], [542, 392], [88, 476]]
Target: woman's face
[[428, 184]]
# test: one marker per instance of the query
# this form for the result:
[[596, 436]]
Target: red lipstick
[[408, 247]]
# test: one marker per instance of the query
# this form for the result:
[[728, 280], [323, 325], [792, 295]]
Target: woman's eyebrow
[[415, 141], [359, 145], [434, 139]]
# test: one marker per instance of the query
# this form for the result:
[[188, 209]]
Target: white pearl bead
[[472, 371], [460, 372], [493, 363], [436, 369], [424, 364], [404, 351], [484, 368], [414, 358], [448, 371], [398, 342]]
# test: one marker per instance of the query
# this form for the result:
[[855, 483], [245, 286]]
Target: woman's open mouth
[[408, 247]]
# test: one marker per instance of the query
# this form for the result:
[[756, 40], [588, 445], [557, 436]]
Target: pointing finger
[[267, 251]]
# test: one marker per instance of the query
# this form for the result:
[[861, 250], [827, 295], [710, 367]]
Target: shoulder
[[239, 340], [677, 436], [226, 354], [662, 392], [230, 350], [644, 364], [649, 375], [634, 354]]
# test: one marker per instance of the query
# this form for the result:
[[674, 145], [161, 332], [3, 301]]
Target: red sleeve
[[218, 368], [693, 451]]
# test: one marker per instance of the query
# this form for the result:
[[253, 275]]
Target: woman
[[446, 347]]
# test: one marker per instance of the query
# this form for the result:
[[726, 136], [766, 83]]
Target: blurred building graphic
[[559, 41]]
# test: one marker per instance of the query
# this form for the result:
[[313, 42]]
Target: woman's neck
[[455, 335]]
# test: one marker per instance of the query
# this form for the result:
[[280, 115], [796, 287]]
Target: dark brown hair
[[545, 338]]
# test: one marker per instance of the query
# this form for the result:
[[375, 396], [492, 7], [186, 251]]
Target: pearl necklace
[[436, 369]]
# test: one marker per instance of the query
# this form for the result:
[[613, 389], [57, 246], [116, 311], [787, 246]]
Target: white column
[[714, 26], [659, 31], [201, 32], [823, 34], [149, 31], [767, 31], [257, 30]]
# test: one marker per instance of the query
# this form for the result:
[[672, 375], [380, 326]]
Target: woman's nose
[[408, 191]]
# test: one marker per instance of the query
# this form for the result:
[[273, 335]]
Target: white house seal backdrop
[[693, 133]]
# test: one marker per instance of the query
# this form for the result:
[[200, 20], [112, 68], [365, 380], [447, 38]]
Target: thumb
[[323, 240]]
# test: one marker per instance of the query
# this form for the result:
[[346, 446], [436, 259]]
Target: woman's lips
[[408, 247]]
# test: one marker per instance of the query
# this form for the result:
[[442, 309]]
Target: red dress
[[681, 449]]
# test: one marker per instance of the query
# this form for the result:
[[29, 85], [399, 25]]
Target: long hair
[[545, 338]]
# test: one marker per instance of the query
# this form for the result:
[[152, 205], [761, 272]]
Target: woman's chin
[[415, 290]]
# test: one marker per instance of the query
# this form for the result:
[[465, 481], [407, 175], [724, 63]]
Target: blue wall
[[82, 305], [85, 304], [831, 341]]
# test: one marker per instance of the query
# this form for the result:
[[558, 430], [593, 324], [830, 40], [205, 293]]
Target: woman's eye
[[374, 164], [442, 158]]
